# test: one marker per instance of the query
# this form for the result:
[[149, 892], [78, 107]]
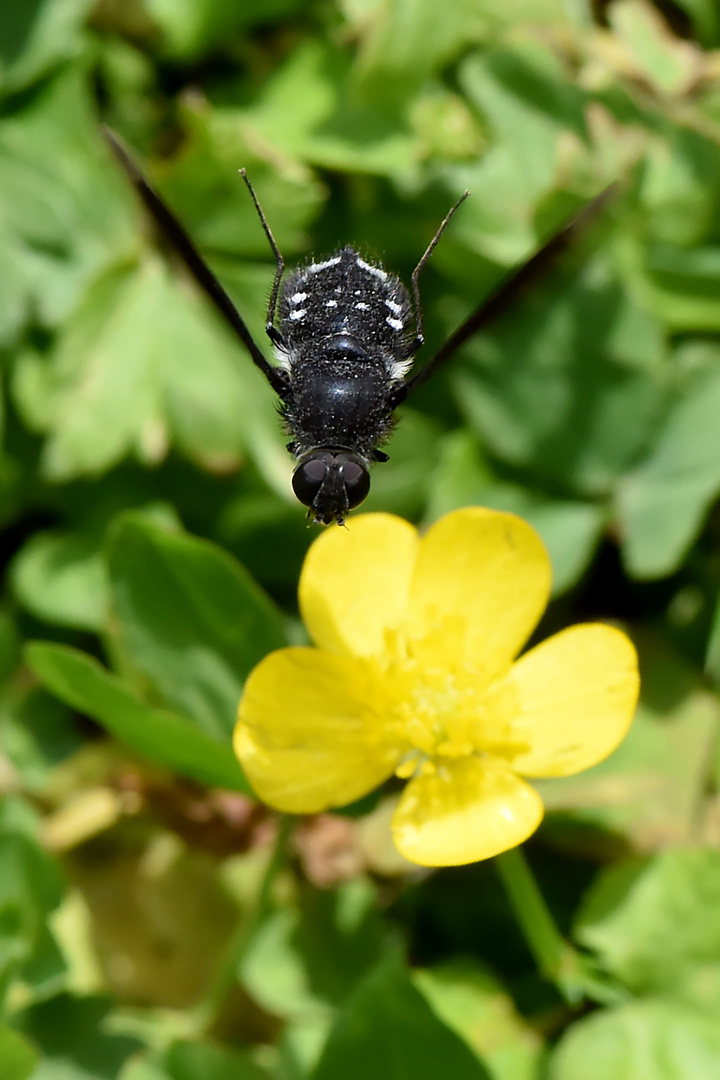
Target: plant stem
[[227, 974], [555, 957]]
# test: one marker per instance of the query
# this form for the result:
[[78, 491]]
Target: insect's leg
[[419, 336], [274, 335]]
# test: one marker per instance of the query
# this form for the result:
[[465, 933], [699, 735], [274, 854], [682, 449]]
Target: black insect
[[345, 332]]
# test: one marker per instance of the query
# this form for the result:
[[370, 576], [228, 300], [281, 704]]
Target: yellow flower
[[413, 674]]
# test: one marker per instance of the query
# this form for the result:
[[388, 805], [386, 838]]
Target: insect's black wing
[[509, 290], [183, 245]]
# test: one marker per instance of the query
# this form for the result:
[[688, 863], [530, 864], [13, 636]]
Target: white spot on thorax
[[371, 269], [315, 268], [331, 303], [298, 298], [395, 308], [362, 307], [297, 315], [395, 323]]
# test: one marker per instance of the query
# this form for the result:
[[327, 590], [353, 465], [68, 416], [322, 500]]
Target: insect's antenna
[[419, 336], [280, 263], [196, 265]]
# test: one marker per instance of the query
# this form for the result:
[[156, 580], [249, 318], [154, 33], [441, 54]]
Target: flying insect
[[345, 332]]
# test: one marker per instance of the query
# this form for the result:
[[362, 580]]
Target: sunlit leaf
[[61, 578], [649, 1038], [16, 1054], [654, 922], [471, 1002], [189, 619], [570, 391], [662, 502], [387, 1027], [162, 737], [36, 36], [190, 29]]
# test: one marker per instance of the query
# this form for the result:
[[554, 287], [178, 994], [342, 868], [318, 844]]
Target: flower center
[[442, 705]]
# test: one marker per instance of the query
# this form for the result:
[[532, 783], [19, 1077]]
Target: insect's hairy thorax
[[346, 298]]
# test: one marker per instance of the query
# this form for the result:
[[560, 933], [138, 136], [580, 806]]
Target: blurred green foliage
[[152, 545]]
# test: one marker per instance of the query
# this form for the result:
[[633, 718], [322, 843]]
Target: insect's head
[[331, 482]]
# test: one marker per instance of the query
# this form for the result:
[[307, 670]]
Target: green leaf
[[36, 35], [16, 271], [666, 63], [401, 487], [712, 659], [706, 19], [70, 1032], [405, 42], [308, 957], [60, 577], [310, 109], [189, 619], [683, 286], [387, 1029], [662, 502], [680, 187], [125, 379], [190, 29], [140, 1068], [186, 1060], [568, 387], [162, 737], [105, 394], [653, 923], [204, 189], [643, 1040], [37, 732], [527, 102], [9, 646], [63, 208], [31, 886], [472, 1003], [17, 1056]]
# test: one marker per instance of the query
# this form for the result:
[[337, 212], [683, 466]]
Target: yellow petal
[[491, 570], [470, 809], [355, 581], [307, 735], [577, 694]]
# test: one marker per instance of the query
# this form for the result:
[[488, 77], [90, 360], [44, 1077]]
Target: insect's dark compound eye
[[356, 479], [307, 479]]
